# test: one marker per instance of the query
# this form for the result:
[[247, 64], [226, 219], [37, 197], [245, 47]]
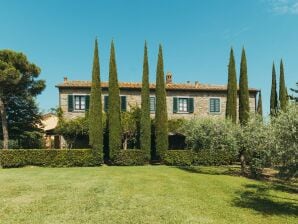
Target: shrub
[[130, 157], [178, 157], [212, 138], [214, 158], [48, 158]]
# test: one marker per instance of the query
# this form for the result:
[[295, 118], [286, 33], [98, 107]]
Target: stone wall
[[201, 101]]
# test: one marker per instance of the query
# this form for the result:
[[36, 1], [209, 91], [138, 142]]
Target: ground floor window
[[214, 106]]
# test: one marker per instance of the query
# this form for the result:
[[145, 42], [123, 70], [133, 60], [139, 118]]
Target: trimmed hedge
[[178, 157], [204, 157], [213, 158], [48, 157], [130, 157]]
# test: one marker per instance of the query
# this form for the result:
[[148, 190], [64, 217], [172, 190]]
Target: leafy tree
[[72, 129], [260, 106], [231, 105], [283, 96], [273, 96], [114, 117], [285, 136], [295, 98], [145, 137], [257, 139], [17, 79], [161, 116], [129, 124], [95, 110]]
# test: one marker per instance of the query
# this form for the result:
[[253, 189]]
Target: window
[[152, 104], [80, 102], [123, 104], [182, 105], [214, 106]]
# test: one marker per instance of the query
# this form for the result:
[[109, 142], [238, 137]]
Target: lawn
[[148, 194]]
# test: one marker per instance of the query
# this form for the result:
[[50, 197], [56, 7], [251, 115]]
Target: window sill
[[78, 111], [214, 113], [183, 113]]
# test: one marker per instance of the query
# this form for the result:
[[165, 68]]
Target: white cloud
[[284, 6]]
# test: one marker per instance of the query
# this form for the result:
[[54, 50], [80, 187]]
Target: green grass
[[148, 194]]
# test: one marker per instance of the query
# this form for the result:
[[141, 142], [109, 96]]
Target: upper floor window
[[214, 105], [123, 103], [78, 102], [152, 104], [183, 105]]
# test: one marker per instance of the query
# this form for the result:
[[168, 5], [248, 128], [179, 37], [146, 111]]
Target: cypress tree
[[145, 106], [273, 96], [231, 105], [161, 116], [95, 108], [114, 122], [283, 96], [243, 91], [260, 106]]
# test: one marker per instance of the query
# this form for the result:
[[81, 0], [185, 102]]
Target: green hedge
[[178, 157], [130, 157], [213, 158], [48, 157], [204, 157]]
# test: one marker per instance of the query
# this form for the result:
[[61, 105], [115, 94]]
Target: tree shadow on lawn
[[219, 170], [257, 197]]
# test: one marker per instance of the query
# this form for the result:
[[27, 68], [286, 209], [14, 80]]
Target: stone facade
[[201, 99]]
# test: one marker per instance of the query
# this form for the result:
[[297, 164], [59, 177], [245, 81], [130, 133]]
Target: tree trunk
[[243, 163], [4, 124], [125, 143]]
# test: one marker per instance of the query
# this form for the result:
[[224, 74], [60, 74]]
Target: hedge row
[[204, 157], [48, 158], [85, 157], [131, 157]]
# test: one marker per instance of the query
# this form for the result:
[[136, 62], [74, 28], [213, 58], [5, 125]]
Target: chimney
[[169, 78], [196, 84], [65, 79]]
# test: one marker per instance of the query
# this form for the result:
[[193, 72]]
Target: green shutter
[[70, 103], [87, 102], [123, 103], [217, 105], [106, 103], [175, 105], [190, 105]]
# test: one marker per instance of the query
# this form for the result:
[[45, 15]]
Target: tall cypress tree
[[114, 122], [260, 106], [283, 96], [161, 116], [145, 106], [231, 105], [95, 109], [243, 91], [273, 96]]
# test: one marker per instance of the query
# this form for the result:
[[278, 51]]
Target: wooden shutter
[[175, 105], [123, 103], [217, 105], [106, 103], [190, 105], [70, 103], [87, 102]]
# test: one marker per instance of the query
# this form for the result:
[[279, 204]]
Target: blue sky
[[58, 36]]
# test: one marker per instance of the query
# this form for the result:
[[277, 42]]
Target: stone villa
[[185, 100]]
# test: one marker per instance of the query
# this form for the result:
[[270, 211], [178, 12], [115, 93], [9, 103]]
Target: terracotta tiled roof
[[138, 85]]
